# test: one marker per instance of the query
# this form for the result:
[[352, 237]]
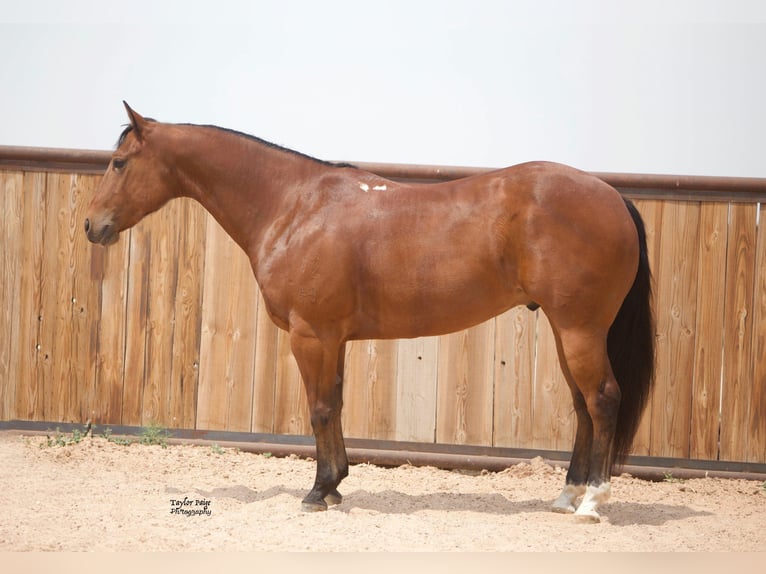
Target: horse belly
[[433, 295]]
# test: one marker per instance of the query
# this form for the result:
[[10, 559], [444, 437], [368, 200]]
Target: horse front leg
[[320, 364]]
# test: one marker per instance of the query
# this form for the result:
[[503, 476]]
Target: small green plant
[[217, 449], [60, 439], [670, 478], [155, 435], [107, 434]]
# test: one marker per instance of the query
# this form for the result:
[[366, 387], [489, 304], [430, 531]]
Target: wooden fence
[[167, 327]]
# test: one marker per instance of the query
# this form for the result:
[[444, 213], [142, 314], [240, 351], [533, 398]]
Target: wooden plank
[[29, 399], [515, 333], [676, 307], [227, 351], [708, 358], [264, 370], [738, 371], [291, 412], [416, 389], [136, 313], [110, 360], [56, 306], [85, 274], [187, 314], [553, 421], [756, 450], [162, 262], [370, 389], [11, 272], [651, 213], [358, 381], [465, 386]]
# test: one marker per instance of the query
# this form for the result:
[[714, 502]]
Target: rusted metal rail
[[647, 186], [396, 453]]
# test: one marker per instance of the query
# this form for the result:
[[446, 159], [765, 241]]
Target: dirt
[[99, 495]]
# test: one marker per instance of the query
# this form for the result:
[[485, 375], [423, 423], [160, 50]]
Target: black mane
[[129, 128]]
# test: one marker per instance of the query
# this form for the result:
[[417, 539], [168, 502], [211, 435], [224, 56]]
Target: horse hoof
[[333, 497], [587, 517], [313, 506], [568, 509]]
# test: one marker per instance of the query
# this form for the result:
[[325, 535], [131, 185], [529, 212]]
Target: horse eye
[[118, 163]]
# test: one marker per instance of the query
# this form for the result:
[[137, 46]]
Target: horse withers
[[342, 254]]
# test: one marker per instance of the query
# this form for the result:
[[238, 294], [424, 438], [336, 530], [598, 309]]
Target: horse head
[[137, 182]]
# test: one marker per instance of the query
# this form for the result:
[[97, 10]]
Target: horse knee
[[321, 415]]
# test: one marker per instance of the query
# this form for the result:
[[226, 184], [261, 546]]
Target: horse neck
[[243, 183]]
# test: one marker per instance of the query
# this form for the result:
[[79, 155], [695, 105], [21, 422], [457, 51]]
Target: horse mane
[[129, 128], [276, 146]]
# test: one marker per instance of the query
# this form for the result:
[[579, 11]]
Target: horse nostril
[[87, 225]]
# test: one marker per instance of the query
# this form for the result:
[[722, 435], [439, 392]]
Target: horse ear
[[136, 120]]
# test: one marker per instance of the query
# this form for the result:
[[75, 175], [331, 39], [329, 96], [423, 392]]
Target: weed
[[154, 434], [107, 434], [60, 439], [670, 478], [217, 449]]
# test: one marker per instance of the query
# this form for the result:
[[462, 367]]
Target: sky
[[635, 86]]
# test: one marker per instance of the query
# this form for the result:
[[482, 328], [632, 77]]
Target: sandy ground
[[98, 495]]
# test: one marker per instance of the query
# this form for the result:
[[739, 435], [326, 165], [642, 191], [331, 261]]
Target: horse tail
[[630, 345]]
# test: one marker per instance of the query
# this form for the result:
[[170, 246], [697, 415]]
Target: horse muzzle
[[105, 234]]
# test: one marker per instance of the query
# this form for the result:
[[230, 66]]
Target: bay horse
[[342, 254]]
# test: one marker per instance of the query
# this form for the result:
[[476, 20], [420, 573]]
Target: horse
[[342, 254]]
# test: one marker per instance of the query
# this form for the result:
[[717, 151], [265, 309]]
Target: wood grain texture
[[136, 316], [24, 366], [416, 389], [738, 327], [708, 359], [227, 353], [369, 389], [11, 203], [676, 308], [187, 316], [651, 212], [515, 335], [466, 386], [756, 448], [264, 370]]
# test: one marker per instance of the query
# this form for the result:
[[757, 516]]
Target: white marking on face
[[379, 188], [364, 187]]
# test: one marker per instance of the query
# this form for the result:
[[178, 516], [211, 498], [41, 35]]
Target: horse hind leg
[[577, 474], [596, 396]]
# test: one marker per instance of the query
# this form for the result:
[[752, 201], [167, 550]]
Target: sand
[[99, 495]]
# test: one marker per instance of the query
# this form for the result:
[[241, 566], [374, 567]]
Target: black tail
[[630, 345]]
